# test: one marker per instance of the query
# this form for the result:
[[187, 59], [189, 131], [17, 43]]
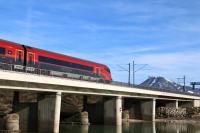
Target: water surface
[[145, 127]]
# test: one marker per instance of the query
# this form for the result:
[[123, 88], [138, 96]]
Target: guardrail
[[32, 70]]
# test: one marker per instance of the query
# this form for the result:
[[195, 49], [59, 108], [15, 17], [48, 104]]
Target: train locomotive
[[25, 58]]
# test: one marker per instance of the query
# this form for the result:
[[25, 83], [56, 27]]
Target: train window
[[19, 56], [97, 71], [64, 63], [2, 50], [108, 70], [30, 59]]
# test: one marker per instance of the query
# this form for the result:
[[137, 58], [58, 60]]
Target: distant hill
[[163, 83]]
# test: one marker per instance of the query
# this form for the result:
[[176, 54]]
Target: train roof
[[53, 52]]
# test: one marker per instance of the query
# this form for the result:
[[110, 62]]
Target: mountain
[[163, 83]]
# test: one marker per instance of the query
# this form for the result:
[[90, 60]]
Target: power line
[[140, 68], [133, 69], [127, 70]]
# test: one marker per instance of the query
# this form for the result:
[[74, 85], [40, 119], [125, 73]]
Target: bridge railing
[[19, 68], [180, 91], [32, 70]]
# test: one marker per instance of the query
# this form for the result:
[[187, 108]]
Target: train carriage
[[31, 59]]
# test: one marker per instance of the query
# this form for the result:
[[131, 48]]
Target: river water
[[145, 127]]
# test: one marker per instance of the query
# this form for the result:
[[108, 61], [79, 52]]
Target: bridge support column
[[196, 103], [172, 104], [119, 111], [113, 111], [49, 107], [148, 110], [56, 124]]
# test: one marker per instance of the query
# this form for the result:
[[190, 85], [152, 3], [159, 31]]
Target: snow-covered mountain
[[163, 83]]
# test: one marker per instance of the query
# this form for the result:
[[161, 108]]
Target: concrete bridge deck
[[12, 80], [27, 81]]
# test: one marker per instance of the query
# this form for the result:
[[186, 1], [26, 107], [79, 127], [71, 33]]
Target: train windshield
[[107, 69]]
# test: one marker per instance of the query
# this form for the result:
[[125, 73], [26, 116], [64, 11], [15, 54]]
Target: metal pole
[[184, 83], [133, 73], [129, 74], [193, 86]]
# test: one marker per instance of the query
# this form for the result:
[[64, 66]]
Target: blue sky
[[164, 34]]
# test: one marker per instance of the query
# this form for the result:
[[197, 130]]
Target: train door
[[97, 71], [30, 59], [19, 57]]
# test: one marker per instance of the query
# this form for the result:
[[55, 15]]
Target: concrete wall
[[140, 108], [27, 111], [134, 108], [96, 113], [113, 111], [49, 112], [109, 111], [148, 109], [28, 116], [46, 106]]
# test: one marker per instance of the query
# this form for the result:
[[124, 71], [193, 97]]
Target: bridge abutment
[[49, 107]]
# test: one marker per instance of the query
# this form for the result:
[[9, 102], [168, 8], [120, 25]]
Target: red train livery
[[56, 64]]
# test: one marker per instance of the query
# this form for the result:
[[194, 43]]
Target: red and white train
[[22, 56]]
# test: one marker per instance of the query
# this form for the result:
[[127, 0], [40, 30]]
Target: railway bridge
[[117, 97]]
